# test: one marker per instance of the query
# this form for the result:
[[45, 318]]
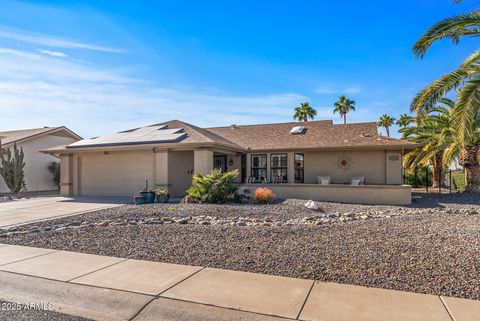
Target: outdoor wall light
[[230, 162]]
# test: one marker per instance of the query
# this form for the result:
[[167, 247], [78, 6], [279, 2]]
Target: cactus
[[11, 169]]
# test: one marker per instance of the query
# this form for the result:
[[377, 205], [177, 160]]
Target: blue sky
[[103, 66]]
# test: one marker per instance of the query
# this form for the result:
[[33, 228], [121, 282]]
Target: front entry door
[[220, 161]]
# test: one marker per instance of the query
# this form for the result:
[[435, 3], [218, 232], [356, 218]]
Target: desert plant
[[54, 169], [216, 187], [263, 195], [304, 111], [12, 169]]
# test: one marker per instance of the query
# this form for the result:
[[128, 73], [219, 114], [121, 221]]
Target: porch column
[[161, 168], [203, 161], [290, 168], [66, 175]]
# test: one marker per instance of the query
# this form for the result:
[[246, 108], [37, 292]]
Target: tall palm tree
[[404, 120], [435, 134], [386, 122], [304, 111], [465, 80], [343, 106]]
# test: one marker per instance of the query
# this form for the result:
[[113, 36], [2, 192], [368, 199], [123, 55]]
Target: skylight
[[297, 130]]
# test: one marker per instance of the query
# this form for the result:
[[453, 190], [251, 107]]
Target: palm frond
[[430, 95], [467, 110], [452, 28]]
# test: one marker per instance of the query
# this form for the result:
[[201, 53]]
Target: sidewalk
[[109, 288]]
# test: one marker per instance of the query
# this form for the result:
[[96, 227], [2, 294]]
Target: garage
[[115, 173]]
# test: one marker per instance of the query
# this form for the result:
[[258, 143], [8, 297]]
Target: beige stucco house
[[37, 175], [316, 160]]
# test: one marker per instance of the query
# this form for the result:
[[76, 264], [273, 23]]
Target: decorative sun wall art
[[344, 163]]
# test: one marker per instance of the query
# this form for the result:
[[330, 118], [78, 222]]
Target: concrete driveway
[[25, 211]]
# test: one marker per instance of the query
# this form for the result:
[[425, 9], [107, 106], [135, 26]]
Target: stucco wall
[[366, 194], [37, 175]]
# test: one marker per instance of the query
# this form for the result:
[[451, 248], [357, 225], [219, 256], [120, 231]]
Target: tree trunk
[[469, 160], [388, 131], [438, 171], [305, 118], [345, 119]]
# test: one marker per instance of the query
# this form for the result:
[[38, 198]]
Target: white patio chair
[[358, 181], [324, 180]]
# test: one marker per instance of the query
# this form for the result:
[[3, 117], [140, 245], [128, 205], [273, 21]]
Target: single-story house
[[313, 160], [37, 175]]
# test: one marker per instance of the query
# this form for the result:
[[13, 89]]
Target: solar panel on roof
[[145, 135]]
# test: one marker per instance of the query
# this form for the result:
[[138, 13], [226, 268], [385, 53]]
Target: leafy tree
[[12, 169], [465, 81], [216, 187], [343, 106], [404, 120], [304, 111], [386, 122]]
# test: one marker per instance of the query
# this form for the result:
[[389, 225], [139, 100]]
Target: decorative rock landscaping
[[429, 247], [314, 219]]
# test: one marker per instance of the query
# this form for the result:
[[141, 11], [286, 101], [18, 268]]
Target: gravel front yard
[[431, 247]]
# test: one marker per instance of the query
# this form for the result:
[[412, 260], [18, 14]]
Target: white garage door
[[116, 174]]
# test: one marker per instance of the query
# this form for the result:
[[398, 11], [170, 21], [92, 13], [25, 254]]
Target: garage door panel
[[116, 174]]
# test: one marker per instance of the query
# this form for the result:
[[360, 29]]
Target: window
[[298, 165], [259, 167], [278, 164]]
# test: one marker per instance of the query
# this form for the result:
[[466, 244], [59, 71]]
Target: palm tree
[[404, 120], [465, 80], [435, 134], [343, 106], [386, 122], [304, 111]]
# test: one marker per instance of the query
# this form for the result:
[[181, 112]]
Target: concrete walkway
[[109, 288], [24, 211]]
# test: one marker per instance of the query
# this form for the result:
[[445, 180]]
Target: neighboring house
[[37, 175], [167, 155]]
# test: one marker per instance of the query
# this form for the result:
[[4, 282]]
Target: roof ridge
[[284, 123], [202, 131], [29, 129]]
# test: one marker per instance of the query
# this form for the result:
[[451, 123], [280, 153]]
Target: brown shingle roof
[[200, 135], [318, 134], [321, 134]]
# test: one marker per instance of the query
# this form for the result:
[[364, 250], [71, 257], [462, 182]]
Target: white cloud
[[39, 90], [326, 90], [355, 89], [50, 41], [53, 53]]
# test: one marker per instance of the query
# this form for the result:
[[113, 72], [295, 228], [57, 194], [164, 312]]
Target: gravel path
[[433, 251], [33, 315]]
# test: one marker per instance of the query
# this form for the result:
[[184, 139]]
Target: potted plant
[[162, 195], [147, 194]]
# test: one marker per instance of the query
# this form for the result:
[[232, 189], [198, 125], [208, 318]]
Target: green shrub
[[216, 187], [458, 180], [418, 178], [54, 169]]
